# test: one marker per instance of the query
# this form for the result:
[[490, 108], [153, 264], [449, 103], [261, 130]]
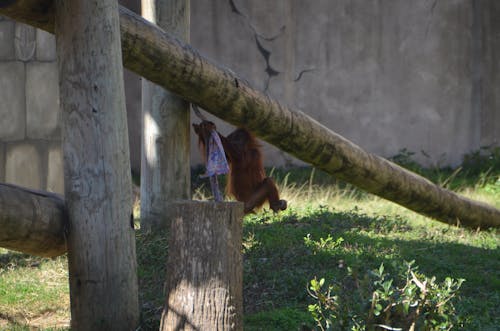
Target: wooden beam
[[32, 221], [168, 62]]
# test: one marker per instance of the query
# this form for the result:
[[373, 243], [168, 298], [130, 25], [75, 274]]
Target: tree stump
[[205, 272]]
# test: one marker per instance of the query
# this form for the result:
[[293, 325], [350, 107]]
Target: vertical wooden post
[[165, 161], [101, 243], [205, 272]]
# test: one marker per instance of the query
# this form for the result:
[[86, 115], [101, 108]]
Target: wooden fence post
[[101, 242], [165, 156], [205, 271]]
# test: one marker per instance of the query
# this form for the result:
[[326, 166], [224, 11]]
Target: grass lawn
[[328, 229]]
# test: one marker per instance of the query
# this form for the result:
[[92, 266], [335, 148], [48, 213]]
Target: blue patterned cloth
[[216, 163], [216, 158]]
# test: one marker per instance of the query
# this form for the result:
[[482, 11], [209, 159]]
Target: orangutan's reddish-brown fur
[[247, 181]]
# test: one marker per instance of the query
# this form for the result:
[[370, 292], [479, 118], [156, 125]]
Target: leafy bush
[[484, 162], [479, 168], [376, 303]]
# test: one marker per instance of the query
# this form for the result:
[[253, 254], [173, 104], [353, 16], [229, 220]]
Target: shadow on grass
[[14, 260], [283, 255], [152, 251]]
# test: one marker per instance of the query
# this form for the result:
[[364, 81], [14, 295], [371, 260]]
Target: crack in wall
[[238, 12], [299, 76], [429, 21], [270, 71], [266, 54]]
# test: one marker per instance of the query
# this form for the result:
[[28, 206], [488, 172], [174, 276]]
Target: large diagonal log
[[32, 221], [168, 62]]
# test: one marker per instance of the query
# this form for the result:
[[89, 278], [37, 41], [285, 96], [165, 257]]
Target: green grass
[[329, 227], [33, 291], [279, 263]]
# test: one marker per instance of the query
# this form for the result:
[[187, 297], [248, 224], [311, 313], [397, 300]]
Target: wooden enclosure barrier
[[97, 182], [165, 156], [176, 66], [32, 221], [204, 270]]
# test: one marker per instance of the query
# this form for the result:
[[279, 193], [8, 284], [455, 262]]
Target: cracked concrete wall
[[387, 75], [488, 73], [29, 108], [30, 134], [422, 75]]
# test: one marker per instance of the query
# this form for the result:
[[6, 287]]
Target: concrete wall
[[387, 75], [421, 75], [488, 72], [30, 153], [30, 134]]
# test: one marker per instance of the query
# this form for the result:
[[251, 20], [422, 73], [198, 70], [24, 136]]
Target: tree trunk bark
[[32, 221], [170, 63], [205, 272], [165, 157], [101, 242]]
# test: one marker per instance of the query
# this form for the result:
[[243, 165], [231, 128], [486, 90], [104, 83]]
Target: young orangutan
[[247, 181]]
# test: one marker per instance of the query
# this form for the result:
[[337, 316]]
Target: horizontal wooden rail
[[32, 221]]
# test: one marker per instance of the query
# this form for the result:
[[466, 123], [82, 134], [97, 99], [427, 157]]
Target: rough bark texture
[[32, 221], [165, 159], [101, 242], [204, 281], [168, 62]]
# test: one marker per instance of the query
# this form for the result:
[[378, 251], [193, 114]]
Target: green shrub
[[479, 168], [484, 162], [377, 303]]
